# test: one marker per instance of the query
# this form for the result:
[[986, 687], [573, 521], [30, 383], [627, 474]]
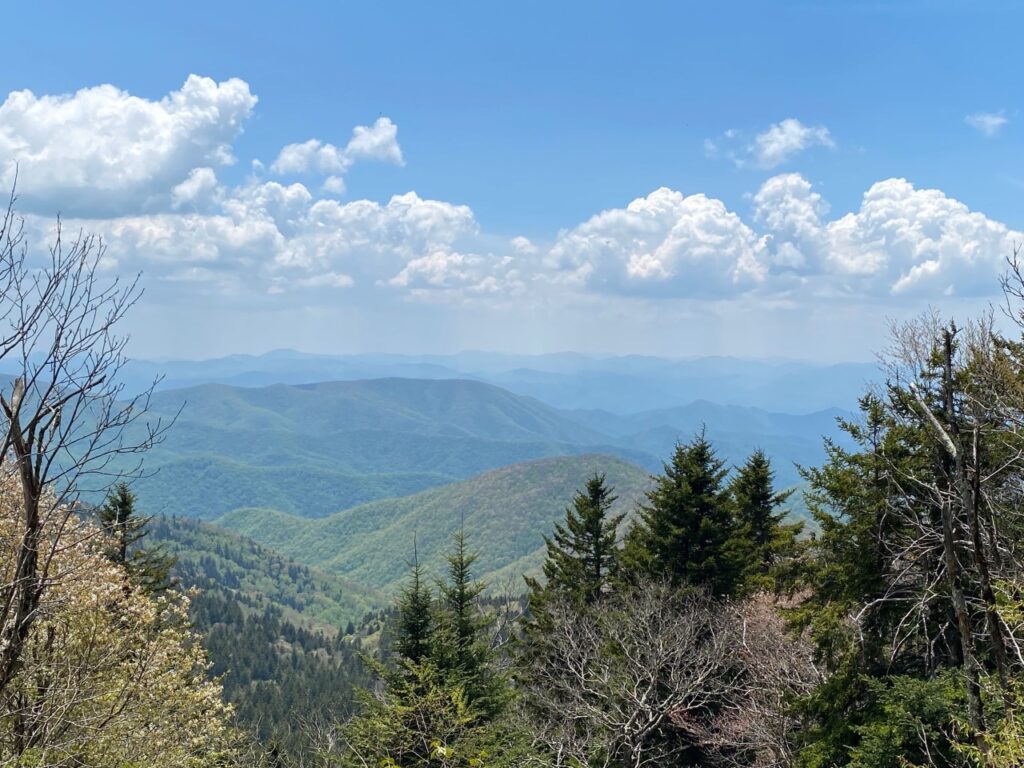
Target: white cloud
[[665, 243], [199, 190], [523, 246], [334, 185], [155, 197], [103, 150], [902, 241], [464, 273], [375, 142], [791, 213], [310, 155], [920, 242], [988, 124], [283, 238], [784, 140]]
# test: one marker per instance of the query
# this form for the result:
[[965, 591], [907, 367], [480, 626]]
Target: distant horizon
[[776, 359]]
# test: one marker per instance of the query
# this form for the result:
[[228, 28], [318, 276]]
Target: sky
[[751, 179]]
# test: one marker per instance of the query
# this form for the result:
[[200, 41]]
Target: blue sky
[[764, 143]]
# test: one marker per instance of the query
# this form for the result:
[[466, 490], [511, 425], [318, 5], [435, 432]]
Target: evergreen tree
[[149, 568], [415, 615], [448, 706], [582, 555], [461, 643], [685, 533], [763, 540]]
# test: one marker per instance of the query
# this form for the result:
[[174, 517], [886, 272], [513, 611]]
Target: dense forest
[[702, 627]]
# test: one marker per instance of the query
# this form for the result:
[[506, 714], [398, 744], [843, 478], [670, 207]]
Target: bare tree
[[633, 680], [755, 725], [953, 468], [67, 427]]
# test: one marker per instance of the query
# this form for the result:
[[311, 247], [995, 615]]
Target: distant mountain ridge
[[568, 380], [314, 449]]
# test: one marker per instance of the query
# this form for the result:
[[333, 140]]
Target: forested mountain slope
[[218, 561], [505, 512], [313, 450]]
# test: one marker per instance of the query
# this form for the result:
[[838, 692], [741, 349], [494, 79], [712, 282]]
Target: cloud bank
[[146, 175]]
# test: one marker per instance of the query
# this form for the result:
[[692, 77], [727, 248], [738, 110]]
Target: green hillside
[[507, 511], [205, 486], [311, 450], [231, 567]]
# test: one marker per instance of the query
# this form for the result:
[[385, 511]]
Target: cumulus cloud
[[198, 190], [282, 237], [466, 274], [769, 149], [102, 150], [665, 243], [783, 140], [902, 241], [375, 142], [988, 124], [523, 245], [156, 196], [369, 142], [791, 212], [920, 242]]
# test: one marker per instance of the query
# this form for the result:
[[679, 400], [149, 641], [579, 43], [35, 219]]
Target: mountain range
[[315, 449], [623, 384]]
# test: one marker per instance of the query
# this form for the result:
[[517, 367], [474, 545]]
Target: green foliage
[[422, 720], [312, 450], [150, 568], [582, 562], [685, 531], [910, 723], [765, 543], [443, 701], [218, 561], [507, 510], [415, 616], [278, 676], [582, 554], [271, 628]]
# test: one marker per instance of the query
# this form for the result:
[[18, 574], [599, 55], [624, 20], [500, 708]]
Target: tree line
[[710, 631]]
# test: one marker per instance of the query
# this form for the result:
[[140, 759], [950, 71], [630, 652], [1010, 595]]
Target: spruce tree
[[685, 531], [148, 568], [415, 615], [762, 539], [582, 555], [461, 644]]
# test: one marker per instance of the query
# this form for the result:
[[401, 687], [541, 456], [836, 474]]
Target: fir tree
[[461, 643], [149, 568], [762, 539], [685, 533], [415, 619], [582, 555]]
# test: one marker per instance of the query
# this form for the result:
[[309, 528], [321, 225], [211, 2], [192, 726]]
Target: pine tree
[[685, 531], [415, 615], [149, 568], [763, 540], [446, 708], [582, 561], [582, 555], [461, 643]]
